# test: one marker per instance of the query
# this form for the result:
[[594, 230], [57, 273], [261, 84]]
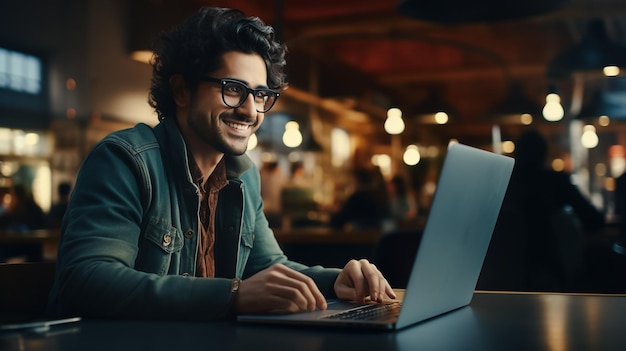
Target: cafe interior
[[383, 85]]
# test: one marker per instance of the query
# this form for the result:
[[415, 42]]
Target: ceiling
[[356, 58]]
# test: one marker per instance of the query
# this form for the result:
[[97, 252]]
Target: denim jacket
[[130, 236]]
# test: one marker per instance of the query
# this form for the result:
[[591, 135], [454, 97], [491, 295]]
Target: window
[[24, 100], [20, 72]]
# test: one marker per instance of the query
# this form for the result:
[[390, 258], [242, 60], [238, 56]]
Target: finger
[[358, 282], [306, 286], [373, 278], [389, 290], [290, 297]]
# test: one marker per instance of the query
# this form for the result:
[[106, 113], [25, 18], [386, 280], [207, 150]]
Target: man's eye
[[234, 89], [262, 95]]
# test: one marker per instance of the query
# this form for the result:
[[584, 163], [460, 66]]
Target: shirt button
[[167, 240], [189, 234], [231, 229]]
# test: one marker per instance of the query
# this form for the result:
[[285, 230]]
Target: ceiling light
[[553, 110], [394, 123]]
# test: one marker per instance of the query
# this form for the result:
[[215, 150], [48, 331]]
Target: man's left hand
[[360, 279]]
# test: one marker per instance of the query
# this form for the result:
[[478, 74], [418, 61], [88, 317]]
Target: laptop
[[463, 214]]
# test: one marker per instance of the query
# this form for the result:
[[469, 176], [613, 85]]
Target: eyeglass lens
[[235, 94]]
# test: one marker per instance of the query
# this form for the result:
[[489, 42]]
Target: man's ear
[[179, 90]]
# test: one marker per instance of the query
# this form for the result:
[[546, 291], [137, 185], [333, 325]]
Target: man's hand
[[279, 289], [360, 279]]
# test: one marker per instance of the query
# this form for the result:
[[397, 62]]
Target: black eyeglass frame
[[224, 81]]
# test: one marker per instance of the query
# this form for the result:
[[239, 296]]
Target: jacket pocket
[[160, 242]]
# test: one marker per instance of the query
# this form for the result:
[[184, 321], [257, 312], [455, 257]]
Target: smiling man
[[167, 222]]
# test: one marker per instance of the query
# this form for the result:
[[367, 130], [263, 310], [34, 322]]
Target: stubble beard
[[215, 137]]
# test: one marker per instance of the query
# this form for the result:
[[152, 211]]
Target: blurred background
[[382, 85]]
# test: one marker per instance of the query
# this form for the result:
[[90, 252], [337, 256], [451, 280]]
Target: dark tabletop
[[493, 321]]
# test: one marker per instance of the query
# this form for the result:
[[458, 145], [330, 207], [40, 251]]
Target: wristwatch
[[234, 292]]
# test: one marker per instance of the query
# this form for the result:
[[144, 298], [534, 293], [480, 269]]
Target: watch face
[[235, 286]]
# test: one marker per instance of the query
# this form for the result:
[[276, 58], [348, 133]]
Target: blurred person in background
[[368, 206], [553, 210], [22, 213], [403, 203]]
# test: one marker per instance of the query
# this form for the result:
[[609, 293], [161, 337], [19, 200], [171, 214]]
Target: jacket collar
[[173, 144]]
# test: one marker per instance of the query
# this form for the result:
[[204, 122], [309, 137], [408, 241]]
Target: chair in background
[[395, 254], [24, 287]]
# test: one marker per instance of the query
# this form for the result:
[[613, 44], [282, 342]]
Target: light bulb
[[553, 111], [292, 136], [411, 155], [394, 123], [589, 139], [441, 117]]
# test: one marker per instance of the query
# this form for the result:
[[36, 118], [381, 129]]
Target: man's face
[[210, 122]]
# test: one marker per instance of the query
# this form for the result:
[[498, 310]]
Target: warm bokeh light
[[609, 184], [70, 84], [611, 71], [617, 160], [508, 147], [553, 111], [383, 161], [589, 139], [555, 326], [604, 121], [441, 118], [600, 169], [558, 164], [526, 119], [31, 139], [143, 56], [292, 136], [339, 147], [253, 141], [411, 155], [394, 124]]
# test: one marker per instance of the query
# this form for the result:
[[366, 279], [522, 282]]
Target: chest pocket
[[160, 242]]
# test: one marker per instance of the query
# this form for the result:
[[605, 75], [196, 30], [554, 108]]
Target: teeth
[[237, 126]]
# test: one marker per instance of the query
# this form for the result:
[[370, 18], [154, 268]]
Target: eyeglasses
[[235, 93]]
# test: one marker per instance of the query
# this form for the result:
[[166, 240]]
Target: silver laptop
[[464, 211]]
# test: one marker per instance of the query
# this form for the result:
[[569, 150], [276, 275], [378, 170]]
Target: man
[[167, 222]]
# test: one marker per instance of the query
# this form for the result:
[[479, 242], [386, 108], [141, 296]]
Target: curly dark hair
[[195, 47]]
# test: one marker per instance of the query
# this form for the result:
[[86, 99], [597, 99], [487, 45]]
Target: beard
[[216, 137]]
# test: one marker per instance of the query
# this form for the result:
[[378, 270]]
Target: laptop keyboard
[[369, 312]]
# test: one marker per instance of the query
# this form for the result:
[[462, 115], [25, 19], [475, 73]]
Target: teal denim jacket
[[130, 235]]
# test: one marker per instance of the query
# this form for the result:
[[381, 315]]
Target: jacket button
[[167, 240], [185, 274], [188, 233]]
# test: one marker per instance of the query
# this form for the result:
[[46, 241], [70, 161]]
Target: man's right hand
[[278, 289]]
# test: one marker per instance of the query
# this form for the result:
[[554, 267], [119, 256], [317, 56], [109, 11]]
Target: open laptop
[[463, 214]]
